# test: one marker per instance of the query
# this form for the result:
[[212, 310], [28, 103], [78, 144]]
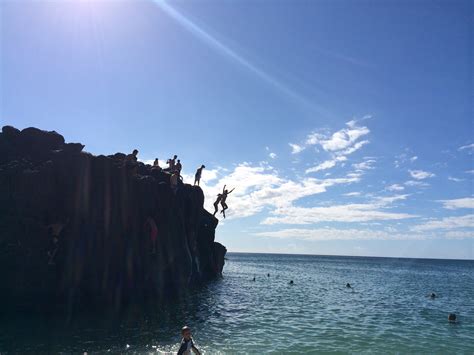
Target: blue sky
[[345, 126]]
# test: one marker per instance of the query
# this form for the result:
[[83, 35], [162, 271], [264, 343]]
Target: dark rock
[[104, 255], [10, 132]]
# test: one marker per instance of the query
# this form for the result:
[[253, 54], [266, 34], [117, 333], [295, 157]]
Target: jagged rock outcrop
[[104, 253]]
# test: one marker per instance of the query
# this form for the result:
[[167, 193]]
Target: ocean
[[387, 310]]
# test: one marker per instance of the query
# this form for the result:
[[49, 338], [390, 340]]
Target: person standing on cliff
[[197, 177], [178, 167], [172, 164], [187, 344]]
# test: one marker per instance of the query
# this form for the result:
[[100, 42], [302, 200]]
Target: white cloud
[[395, 187], [413, 158], [420, 174], [272, 155], [450, 178], [259, 187], [340, 144], [365, 165], [469, 147], [295, 148], [350, 194], [343, 139], [470, 171], [326, 165], [466, 202], [413, 183], [373, 211], [319, 234], [466, 221]]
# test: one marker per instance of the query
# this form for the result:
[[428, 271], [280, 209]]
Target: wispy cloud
[[339, 145], [321, 234], [373, 211], [466, 202], [395, 187], [457, 222], [420, 174], [296, 148], [450, 178], [468, 147]]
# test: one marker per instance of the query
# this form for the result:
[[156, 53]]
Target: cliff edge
[[81, 229]]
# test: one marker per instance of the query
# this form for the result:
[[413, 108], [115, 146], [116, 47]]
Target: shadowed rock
[[104, 252]]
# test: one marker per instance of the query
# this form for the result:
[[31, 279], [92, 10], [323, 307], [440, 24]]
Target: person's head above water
[[452, 317], [348, 285], [291, 282], [433, 295], [186, 332]]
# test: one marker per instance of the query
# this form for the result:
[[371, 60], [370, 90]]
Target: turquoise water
[[387, 311]]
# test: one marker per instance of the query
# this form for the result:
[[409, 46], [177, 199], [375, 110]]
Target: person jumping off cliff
[[197, 177], [222, 198]]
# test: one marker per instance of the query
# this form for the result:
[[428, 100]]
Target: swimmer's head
[[291, 282], [433, 295], [186, 332], [452, 317], [348, 285]]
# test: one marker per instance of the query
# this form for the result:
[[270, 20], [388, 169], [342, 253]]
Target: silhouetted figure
[[253, 278], [348, 285], [222, 198], [178, 167], [187, 344], [172, 164], [132, 157], [291, 282], [54, 230], [197, 176], [131, 162], [152, 229], [156, 163], [433, 295], [174, 181], [452, 318], [268, 275]]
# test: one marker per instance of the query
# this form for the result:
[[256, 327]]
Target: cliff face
[[79, 229]]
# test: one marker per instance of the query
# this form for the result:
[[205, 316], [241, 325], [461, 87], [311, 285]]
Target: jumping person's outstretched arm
[[231, 191], [223, 189]]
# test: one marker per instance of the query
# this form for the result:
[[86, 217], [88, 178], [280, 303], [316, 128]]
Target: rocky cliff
[[80, 229]]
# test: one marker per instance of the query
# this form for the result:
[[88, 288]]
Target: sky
[[346, 127]]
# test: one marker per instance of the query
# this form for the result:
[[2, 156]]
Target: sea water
[[387, 310]]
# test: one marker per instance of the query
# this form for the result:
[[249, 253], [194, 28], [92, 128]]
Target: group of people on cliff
[[174, 168]]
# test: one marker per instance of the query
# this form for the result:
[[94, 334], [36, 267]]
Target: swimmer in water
[[452, 318], [187, 344], [291, 282], [268, 275], [433, 295], [253, 278], [348, 285]]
